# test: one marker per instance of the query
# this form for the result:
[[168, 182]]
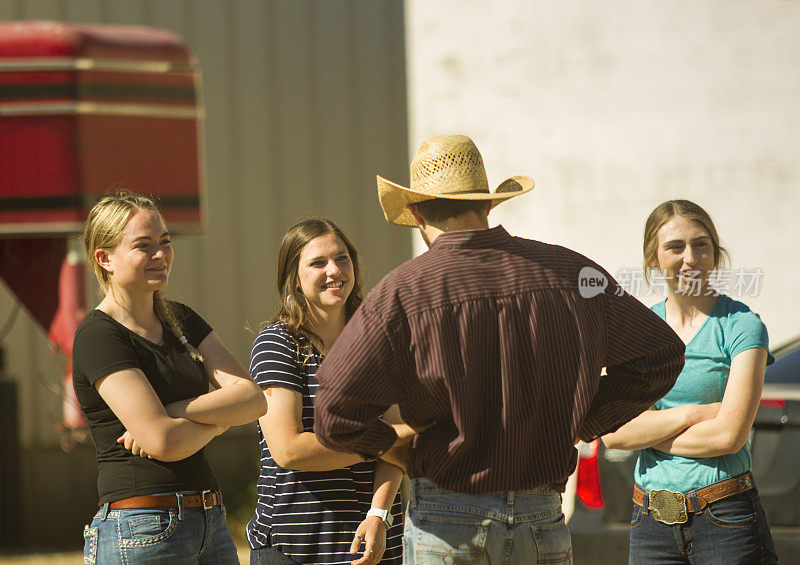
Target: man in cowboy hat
[[493, 351]]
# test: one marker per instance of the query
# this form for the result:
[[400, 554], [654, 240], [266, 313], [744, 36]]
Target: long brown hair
[[292, 308], [663, 213], [103, 230]]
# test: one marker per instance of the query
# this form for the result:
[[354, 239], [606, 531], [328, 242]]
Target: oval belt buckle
[[668, 507]]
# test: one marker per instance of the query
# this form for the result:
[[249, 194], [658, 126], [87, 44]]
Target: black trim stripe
[[92, 91], [80, 201], [41, 203]]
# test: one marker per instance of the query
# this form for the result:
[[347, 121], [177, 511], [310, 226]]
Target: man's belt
[[674, 507]]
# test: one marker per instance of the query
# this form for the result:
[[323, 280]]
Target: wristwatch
[[385, 516]]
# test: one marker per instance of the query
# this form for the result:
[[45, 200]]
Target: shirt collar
[[472, 238]]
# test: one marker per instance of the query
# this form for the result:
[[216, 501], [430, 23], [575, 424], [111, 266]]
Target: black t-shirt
[[104, 346]]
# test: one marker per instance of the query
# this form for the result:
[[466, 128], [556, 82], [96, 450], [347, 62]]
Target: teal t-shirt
[[730, 328]]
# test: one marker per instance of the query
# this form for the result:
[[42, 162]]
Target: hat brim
[[395, 198]]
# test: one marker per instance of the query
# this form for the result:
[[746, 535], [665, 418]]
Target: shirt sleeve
[[194, 327], [101, 349], [274, 360], [644, 357], [357, 384], [747, 331]]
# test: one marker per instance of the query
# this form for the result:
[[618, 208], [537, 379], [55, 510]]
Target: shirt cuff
[[370, 443]]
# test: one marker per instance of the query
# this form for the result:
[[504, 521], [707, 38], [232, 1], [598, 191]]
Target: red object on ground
[[588, 489], [86, 107], [70, 312]]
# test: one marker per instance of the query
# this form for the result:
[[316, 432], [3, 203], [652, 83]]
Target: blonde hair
[[663, 213], [103, 230], [292, 304]]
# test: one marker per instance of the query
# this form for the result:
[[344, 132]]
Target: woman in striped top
[[315, 505]]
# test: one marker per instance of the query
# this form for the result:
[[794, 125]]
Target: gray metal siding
[[306, 102]]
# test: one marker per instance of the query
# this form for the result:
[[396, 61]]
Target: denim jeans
[[269, 556], [159, 535], [730, 531], [514, 527]]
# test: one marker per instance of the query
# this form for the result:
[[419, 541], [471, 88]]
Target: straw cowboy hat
[[446, 166]]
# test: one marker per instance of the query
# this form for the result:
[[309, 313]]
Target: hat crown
[[448, 164]]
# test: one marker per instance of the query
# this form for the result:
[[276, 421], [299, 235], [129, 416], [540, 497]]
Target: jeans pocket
[[732, 512], [553, 542], [89, 545], [636, 517], [146, 527], [450, 539]]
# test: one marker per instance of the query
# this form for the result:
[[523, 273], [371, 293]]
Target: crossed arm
[[695, 430], [180, 429], [293, 448]]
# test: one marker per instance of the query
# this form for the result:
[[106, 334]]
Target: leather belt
[[673, 507], [207, 499]]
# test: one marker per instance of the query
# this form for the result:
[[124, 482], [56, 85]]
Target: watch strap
[[384, 515]]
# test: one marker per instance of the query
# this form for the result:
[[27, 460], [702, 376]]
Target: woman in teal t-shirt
[[694, 499]]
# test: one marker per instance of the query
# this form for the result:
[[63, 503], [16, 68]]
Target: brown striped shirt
[[488, 336]]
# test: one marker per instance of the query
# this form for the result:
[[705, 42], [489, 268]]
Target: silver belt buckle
[[668, 507]]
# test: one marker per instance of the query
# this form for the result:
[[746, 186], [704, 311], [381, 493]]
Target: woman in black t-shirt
[[142, 368]]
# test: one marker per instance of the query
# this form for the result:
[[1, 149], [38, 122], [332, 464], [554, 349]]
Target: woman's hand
[[130, 444], [372, 532]]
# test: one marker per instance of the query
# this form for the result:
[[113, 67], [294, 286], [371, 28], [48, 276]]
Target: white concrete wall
[[615, 106]]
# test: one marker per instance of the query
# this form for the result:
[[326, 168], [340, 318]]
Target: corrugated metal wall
[[306, 101]]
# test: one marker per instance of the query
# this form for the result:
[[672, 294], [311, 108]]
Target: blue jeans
[[730, 531], [524, 527], [159, 535], [269, 556]]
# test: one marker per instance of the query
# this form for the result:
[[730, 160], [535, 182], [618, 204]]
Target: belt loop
[[510, 498], [645, 501], [104, 512], [692, 497], [179, 496]]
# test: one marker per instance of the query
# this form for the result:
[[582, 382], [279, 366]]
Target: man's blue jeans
[[514, 527], [730, 531], [159, 535]]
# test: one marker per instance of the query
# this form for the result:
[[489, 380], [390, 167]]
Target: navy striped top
[[310, 516]]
